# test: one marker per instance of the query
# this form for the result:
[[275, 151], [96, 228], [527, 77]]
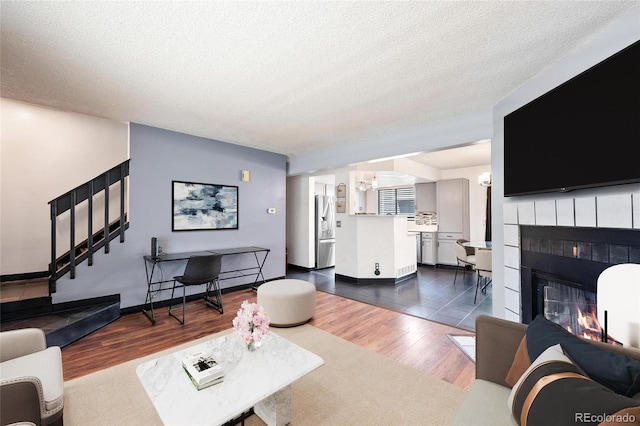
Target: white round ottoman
[[288, 302]]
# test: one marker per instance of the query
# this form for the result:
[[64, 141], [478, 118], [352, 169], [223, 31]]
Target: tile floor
[[431, 295]]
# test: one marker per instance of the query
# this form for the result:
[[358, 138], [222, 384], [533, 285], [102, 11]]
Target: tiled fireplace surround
[[618, 211]]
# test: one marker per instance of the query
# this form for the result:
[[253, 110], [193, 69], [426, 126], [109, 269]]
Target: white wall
[[45, 153], [300, 226], [378, 239], [347, 233], [371, 201], [449, 133]]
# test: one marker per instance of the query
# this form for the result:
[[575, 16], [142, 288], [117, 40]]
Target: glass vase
[[253, 346]]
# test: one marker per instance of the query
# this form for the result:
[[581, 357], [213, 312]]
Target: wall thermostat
[[246, 176], [271, 210]]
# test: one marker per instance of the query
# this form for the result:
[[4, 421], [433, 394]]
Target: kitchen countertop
[[422, 228]]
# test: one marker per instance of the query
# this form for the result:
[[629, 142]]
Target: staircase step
[[66, 326], [76, 324], [17, 310]]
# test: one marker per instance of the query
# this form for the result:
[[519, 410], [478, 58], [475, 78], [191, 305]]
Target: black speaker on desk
[[154, 247]]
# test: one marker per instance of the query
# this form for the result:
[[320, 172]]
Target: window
[[399, 201]]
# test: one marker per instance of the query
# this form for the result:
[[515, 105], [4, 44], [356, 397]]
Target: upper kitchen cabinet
[[322, 188], [453, 206], [426, 200]]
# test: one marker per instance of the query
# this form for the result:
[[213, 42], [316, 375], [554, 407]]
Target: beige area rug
[[355, 386]]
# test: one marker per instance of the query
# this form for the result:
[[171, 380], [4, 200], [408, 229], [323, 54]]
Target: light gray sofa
[[31, 380], [497, 341]]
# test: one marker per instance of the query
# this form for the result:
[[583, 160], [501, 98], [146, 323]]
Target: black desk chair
[[200, 270]]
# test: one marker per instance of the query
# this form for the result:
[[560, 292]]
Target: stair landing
[[62, 326], [13, 291]]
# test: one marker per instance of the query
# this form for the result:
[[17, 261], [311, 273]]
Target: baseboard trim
[[300, 268], [31, 308], [86, 303], [365, 281], [25, 276]]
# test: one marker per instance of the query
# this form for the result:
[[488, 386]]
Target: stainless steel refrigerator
[[325, 231]]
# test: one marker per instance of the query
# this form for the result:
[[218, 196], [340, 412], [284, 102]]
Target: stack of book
[[202, 369]]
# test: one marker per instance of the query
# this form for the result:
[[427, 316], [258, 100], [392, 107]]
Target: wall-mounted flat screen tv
[[584, 133]]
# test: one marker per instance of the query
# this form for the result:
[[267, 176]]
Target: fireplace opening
[[559, 270], [572, 307]]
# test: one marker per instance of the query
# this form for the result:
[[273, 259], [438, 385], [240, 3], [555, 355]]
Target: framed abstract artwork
[[203, 206]]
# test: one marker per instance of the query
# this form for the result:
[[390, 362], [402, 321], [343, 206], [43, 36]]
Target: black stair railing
[[78, 252]]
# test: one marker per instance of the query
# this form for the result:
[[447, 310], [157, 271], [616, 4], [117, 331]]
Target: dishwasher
[[429, 248]]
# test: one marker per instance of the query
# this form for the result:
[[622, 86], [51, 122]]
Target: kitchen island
[[369, 243]]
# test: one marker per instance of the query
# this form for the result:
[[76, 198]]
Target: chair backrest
[[483, 261], [24, 341], [461, 253], [201, 269], [470, 250]]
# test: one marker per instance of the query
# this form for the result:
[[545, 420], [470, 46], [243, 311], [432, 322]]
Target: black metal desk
[[154, 285]]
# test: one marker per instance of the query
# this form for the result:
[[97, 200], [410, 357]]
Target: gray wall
[[158, 157]]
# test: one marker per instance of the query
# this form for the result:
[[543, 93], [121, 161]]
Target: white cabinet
[[453, 217], [324, 189], [453, 206], [426, 197], [447, 248], [429, 248]]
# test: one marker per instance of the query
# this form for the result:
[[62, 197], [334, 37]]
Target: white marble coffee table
[[260, 379]]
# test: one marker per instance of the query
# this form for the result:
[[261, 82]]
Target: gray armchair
[[31, 380]]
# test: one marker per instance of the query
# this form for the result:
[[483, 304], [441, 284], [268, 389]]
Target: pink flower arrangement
[[251, 324]]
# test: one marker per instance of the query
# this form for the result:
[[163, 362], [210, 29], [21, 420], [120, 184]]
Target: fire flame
[[591, 327]]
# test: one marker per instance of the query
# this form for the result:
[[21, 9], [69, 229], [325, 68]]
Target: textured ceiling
[[288, 77]]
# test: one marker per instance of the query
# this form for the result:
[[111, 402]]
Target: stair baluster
[[122, 198], [52, 265], [72, 236], [106, 212], [90, 227], [60, 265]]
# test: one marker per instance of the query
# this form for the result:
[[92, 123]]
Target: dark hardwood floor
[[413, 341]]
